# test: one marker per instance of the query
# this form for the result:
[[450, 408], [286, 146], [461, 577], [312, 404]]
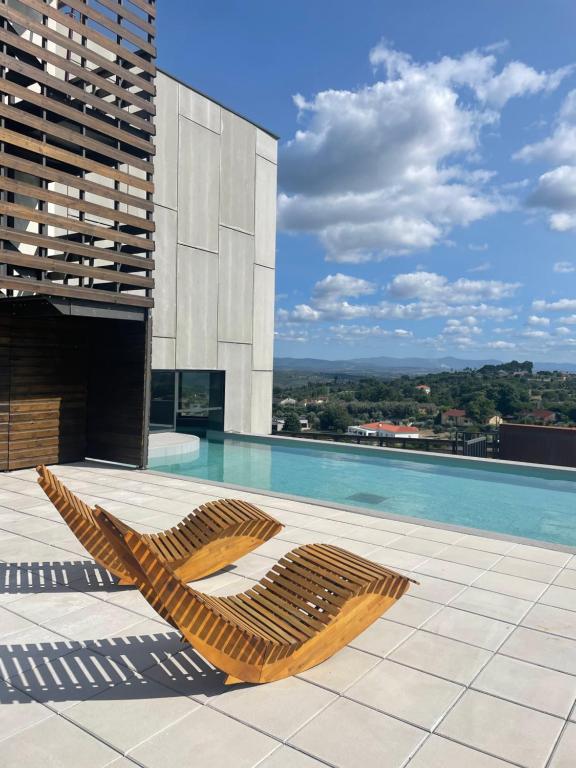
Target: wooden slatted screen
[[76, 149]]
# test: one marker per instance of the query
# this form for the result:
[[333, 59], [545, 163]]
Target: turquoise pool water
[[521, 501]]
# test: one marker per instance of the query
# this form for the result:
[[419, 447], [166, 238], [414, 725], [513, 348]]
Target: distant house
[[455, 417], [278, 424], [383, 429], [542, 415], [288, 401], [424, 388], [495, 421]]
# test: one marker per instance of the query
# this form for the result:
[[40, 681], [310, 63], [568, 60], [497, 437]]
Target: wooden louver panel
[[77, 86]]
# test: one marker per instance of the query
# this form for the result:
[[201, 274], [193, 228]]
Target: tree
[[480, 409], [336, 418], [292, 422]]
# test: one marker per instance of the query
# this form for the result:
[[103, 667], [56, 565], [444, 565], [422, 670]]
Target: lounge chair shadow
[[38, 577], [68, 671]]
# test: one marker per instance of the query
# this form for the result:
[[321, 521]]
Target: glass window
[[162, 400]]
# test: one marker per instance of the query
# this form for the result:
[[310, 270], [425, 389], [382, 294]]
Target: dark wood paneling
[[76, 120], [538, 445], [59, 400]]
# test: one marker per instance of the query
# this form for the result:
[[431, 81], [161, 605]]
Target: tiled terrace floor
[[475, 668]]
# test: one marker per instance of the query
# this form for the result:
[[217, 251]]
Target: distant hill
[[397, 366]]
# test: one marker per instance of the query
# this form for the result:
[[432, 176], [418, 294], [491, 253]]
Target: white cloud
[[500, 345], [562, 305], [536, 320], [345, 332], [429, 286], [389, 168], [564, 267], [568, 320], [336, 286], [484, 266], [555, 189]]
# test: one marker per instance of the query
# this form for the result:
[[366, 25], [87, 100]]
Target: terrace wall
[[538, 445]]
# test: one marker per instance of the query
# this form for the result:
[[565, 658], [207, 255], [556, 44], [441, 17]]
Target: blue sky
[[427, 166]]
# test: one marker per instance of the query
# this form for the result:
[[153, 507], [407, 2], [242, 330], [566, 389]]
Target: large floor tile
[[208, 739], [528, 684], [514, 586], [287, 757], [279, 708], [55, 743], [443, 569], [47, 606], [540, 648], [554, 620], [93, 622], [142, 646], [11, 622], [566, 578], [381, 637], [506, 730], [441, 656], [477, 558], [496, 546], [437, 752], [349, 735], [131, 712], [396, 558], [406, 693], [436, 590], [24, 650], [417, 546], [566, 749], [560, 597], [469, 628], [341, 670], [540, 555], [526, 569], [412, 611], [492, 604], [18, 711]]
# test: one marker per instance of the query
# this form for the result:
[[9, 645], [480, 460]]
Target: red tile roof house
[[456, 417], [542, 415], [384, 429]]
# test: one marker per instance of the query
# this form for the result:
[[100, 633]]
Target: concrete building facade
[[215, 214]]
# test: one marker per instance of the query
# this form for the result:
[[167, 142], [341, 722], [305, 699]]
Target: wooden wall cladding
[[58, 400], [76, 149]]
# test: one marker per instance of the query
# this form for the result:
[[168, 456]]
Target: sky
[[427, 166]]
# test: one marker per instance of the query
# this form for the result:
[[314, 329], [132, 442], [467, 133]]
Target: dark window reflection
[[187, 401]]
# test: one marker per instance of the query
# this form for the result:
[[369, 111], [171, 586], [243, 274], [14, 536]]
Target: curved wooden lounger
[[214, 535], [314, 601]]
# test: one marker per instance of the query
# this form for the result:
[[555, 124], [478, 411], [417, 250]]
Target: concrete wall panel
[[263, 319], [198, 186], [199, 109], [236, 278], [266, 146], [265, 214], [163, 353], [261, 402], [197, 319], [236, 360], [164, 312], [237, 176], [166, 160]]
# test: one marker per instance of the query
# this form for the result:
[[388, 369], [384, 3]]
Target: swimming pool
[[524, 501]]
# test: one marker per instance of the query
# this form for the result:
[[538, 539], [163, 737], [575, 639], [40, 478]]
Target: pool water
[[521, 501]]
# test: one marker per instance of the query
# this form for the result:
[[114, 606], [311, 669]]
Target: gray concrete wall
[[215, 177]]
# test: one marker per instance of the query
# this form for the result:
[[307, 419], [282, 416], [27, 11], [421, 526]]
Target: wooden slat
[[75, 92], [76, 115], [104, 233], [45, 287], [48, 150], [74, 137], [15, 258], [52, 174], [82, 73], [76, 203], [145, 5], [62, 41], [92, 34], [75, 249], [91, 13], [126, 13]]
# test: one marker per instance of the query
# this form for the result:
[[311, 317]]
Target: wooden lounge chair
[[313, 602], [213, 536]]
